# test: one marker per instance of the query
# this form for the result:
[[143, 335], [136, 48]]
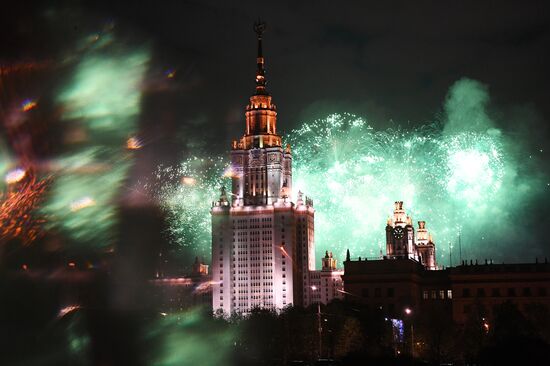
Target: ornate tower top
[[400, 217], [261, 113]]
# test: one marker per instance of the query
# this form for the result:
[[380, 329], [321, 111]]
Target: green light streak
[[189, 338], [100, 106], [5, 163]]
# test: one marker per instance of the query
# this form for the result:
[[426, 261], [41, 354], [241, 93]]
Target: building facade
[[478, 288], [262, 242], [393, 285]]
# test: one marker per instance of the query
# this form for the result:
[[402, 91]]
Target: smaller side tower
[[425, 246]]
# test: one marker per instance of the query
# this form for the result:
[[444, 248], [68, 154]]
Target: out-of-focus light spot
[[66, 310], [15, 176], [24, 267], [82, 203], [170, 73], [188, 181], [229, 173], [72, 264], [133, 143], [28, 104]]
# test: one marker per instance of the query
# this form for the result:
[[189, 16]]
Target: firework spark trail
[[186, 192], [18, 219], [458, 175], [355, 174]]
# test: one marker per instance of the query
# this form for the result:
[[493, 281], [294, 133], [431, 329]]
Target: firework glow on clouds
[[459, 174]]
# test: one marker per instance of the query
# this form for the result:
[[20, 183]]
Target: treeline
[[113, 323], [357, 335]]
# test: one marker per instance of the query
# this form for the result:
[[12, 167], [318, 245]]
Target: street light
[[408, 312], [319, 327]]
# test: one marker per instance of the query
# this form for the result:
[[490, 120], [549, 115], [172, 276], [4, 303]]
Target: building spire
[[259, 28]]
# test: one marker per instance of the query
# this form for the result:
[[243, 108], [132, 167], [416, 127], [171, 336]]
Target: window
[[527, 291], [442, 294], [480, 292], [377, 292], [365, 292], [511, 292], [465, 292], [449, 294], [495, 292], [425, 294], [434, 294], [542, 291], [390, 292]]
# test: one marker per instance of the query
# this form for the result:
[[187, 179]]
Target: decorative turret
[[222, 201], [199, 268], [328, 262], [300, 200], [399, 215]]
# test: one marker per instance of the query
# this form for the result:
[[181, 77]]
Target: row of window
[[437, 294], [507, 292]]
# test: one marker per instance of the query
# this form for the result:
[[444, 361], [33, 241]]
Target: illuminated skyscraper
[[262, 242]]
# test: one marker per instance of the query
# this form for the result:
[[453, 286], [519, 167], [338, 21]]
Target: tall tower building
[[262, 242]]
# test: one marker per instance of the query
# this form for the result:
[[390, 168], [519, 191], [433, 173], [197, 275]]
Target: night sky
[[392, 63]]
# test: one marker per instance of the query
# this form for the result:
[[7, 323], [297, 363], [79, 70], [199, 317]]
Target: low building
[[479, 287], [394, 285], [326, 284]]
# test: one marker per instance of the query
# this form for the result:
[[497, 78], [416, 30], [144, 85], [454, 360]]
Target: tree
[[350, 338]]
